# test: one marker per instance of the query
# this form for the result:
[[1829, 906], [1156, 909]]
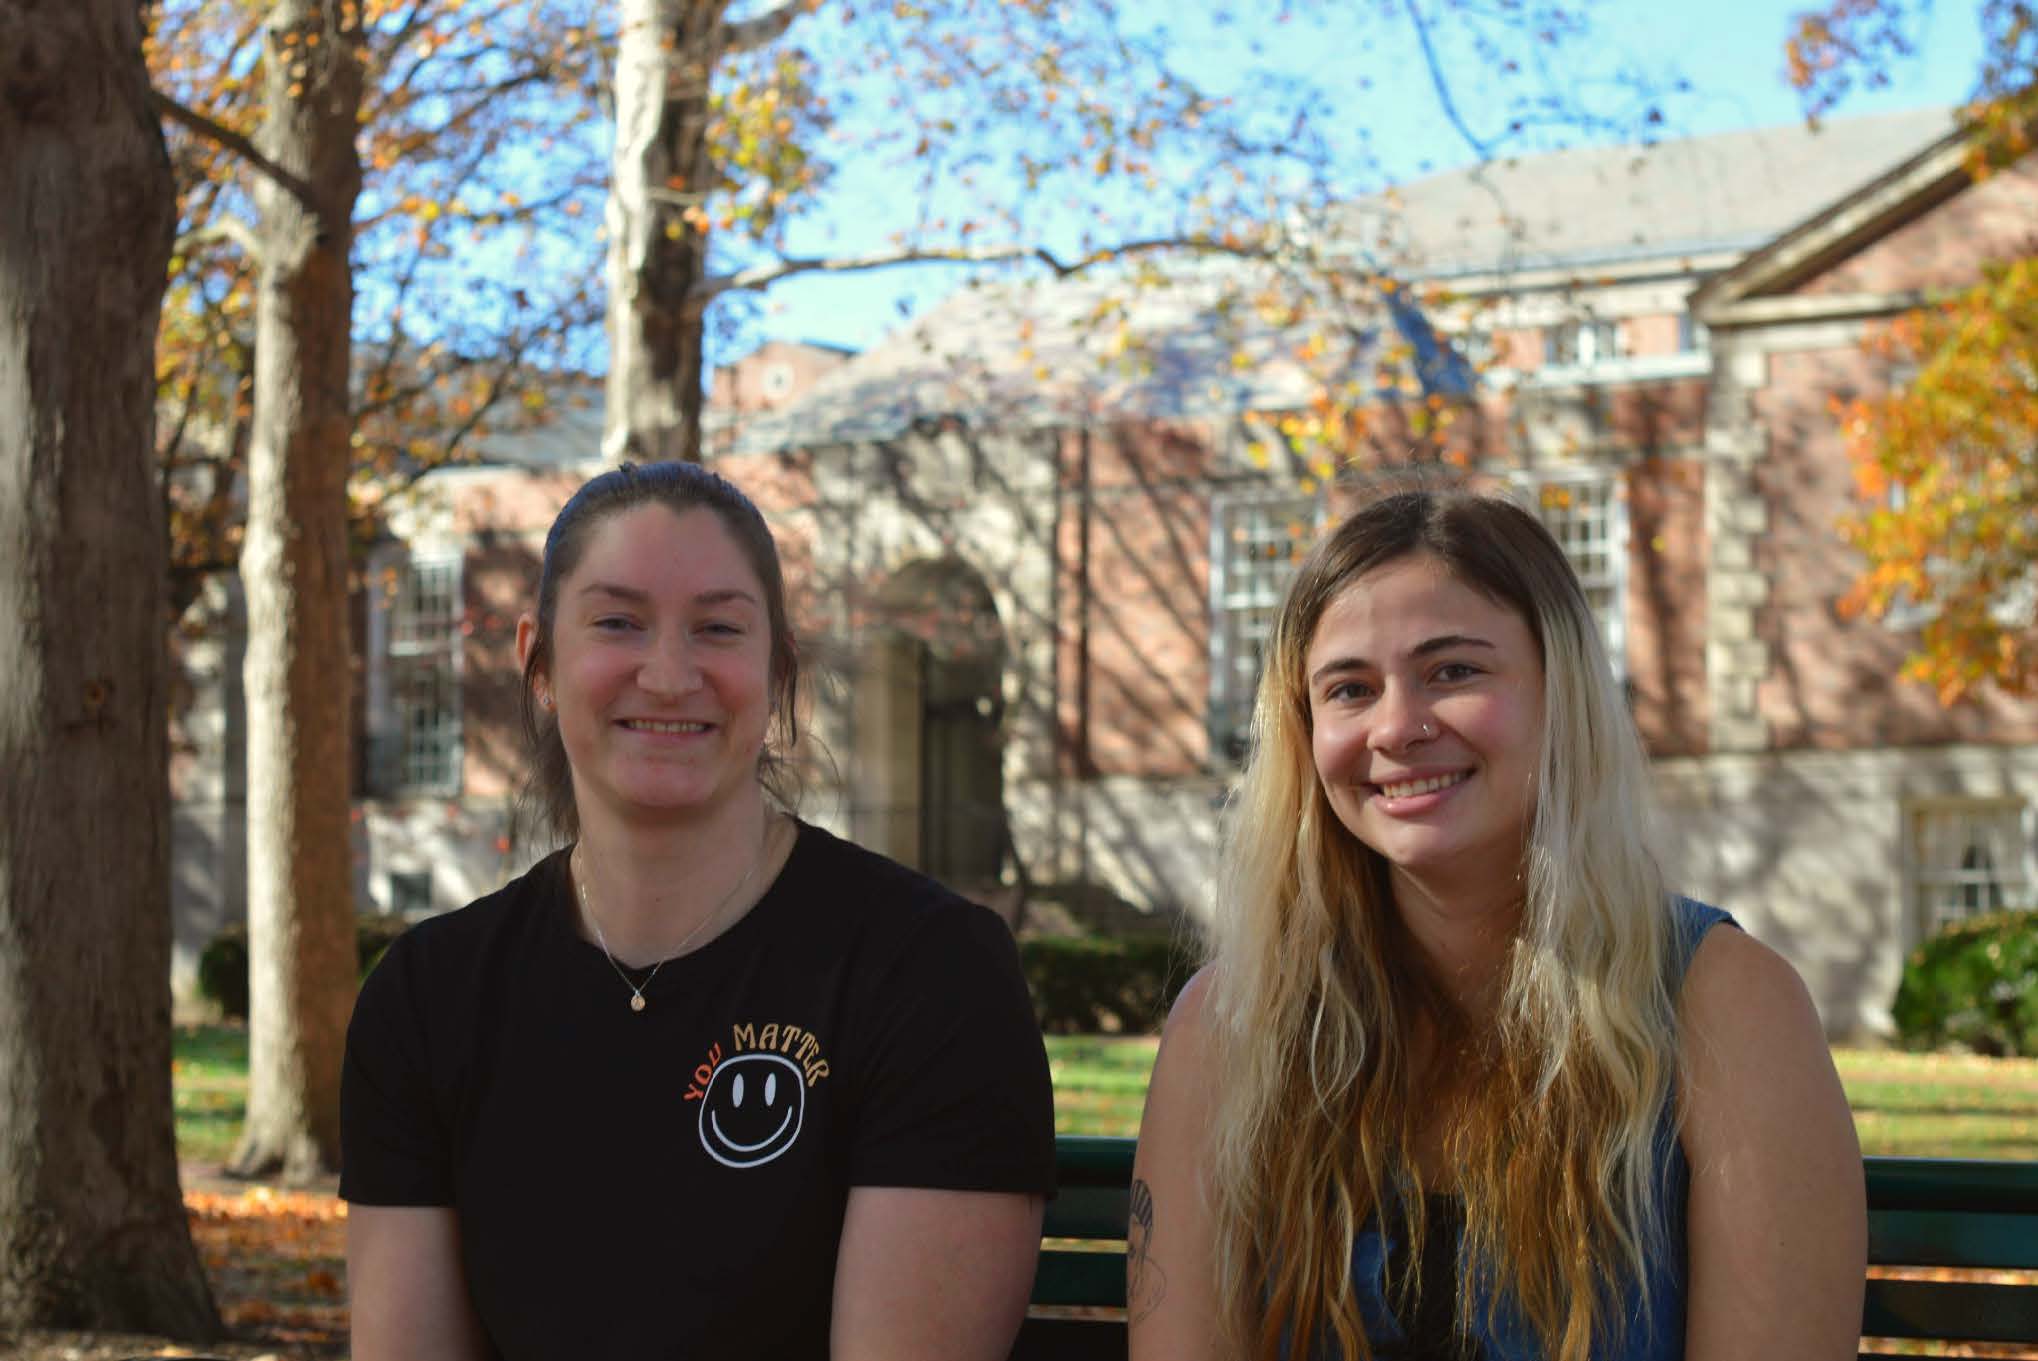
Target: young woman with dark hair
[[706, 1081], [1464, 1078]]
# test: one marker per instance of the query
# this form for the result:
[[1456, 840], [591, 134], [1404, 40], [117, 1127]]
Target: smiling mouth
[[669, 728], [748, 1148], [1408, 789]]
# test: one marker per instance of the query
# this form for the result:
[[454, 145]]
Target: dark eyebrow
[[722, 595], [629, 593], [1443, 642]]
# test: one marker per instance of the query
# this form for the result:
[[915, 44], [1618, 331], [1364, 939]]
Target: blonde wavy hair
[[1316, 996]]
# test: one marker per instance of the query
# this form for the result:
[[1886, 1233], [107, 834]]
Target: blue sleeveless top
[[1655, 1334]]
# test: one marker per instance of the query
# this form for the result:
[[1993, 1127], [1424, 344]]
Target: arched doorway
[[929, 783]]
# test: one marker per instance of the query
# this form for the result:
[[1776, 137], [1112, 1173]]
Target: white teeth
[[649, 725], [1429, 786]]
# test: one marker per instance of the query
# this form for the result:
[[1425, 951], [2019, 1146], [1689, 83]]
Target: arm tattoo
[[1146, 1285]]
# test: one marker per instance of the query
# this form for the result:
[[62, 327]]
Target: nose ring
[[1427, 731]]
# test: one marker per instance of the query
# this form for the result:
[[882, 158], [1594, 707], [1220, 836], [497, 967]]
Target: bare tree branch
[[497, 385], [1441, 84], [677, 198], [225, 227], [760, 277], [747, 35], [220, 135]]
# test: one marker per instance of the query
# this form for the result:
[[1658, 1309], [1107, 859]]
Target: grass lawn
[[1919, 1105], [209, 1084], [1916, 1105], [1099, 1081], [1942, 1105]]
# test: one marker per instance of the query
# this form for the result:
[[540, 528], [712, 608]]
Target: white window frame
[[1601, 561], [1693, 335], [1928, 887], [399, 763], [1584, 343], [1246, 596]]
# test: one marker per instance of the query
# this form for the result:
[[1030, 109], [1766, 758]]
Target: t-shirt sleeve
[[393, 1147], [957, 1095]]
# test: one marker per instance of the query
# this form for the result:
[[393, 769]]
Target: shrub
[[223, 972], [1083, 985], [223, 966], [1974, 985]]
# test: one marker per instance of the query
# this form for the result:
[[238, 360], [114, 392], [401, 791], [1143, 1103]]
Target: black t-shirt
[[671, 1182]]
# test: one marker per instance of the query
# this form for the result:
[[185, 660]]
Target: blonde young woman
[[1463, 1077]]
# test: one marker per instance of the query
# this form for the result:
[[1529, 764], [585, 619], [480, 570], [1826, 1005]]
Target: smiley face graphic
[[752, 1110]]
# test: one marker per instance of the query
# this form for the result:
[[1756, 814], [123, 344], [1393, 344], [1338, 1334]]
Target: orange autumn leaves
[[1947, 465], [479, 168], [276, 1260], [1947, 462], [1847, 45]]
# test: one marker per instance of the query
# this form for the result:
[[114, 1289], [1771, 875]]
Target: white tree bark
[[666, 52], [294, 574]]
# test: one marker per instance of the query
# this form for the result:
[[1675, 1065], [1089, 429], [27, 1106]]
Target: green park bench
[[1922, 1213]]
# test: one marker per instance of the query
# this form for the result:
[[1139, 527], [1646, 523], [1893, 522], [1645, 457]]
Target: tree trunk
[[294, 575], [92, 1226], [665, 55]]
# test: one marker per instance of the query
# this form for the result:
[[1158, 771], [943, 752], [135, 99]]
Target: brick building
[[1034, 581]]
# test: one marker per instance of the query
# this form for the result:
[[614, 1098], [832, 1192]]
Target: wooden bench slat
[[1070, 1339], [1069, 1277], [1951, 1311], [1093, 1160], [1927, 1212], [1963, 1184], [1087, 1212], [1959, 1238]]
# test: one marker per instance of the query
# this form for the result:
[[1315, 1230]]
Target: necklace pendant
[[636, 1001]]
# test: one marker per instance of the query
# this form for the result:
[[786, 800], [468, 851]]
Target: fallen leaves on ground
[[277, 1261], [55, 1346]]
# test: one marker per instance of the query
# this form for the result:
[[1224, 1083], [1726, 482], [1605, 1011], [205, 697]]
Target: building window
[[1256, 541], [1584, 512], [1582, 343], [1480, 349], [1967, 859], [414, 705], [1692, 335], [410, 893]]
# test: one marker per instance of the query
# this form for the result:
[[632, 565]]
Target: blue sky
[[1730, 52]]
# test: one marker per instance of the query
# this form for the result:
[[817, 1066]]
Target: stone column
[[1736, 516]]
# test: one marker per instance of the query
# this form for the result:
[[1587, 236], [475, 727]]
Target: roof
[[1042, 352], [1034, 353], [1905, 190], [1729, 191], [567, 435]]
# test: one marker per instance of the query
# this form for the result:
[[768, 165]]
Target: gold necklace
[[637, 1002]]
